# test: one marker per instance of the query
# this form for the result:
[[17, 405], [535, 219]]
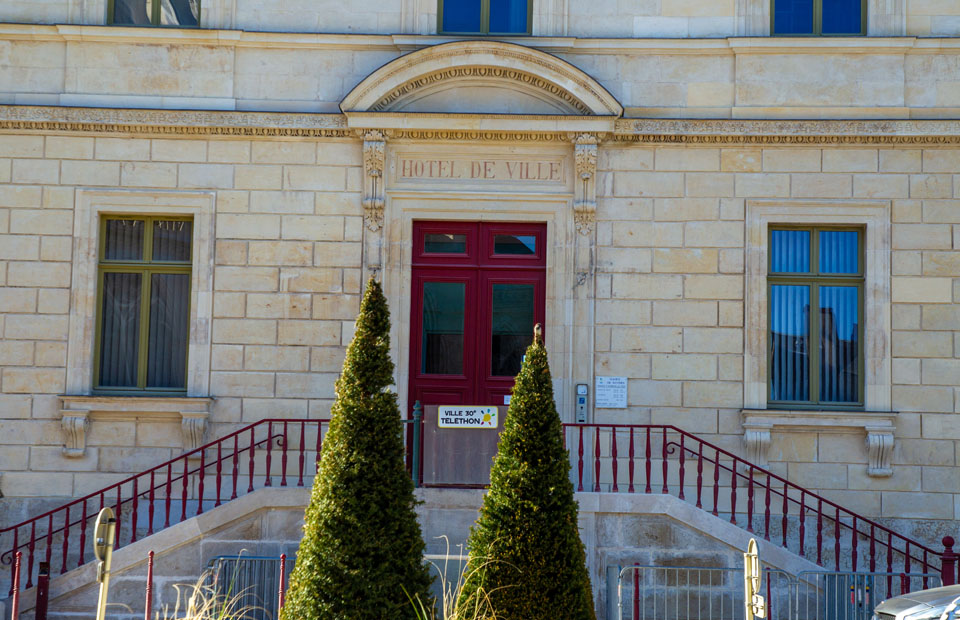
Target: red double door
[[478, 290]]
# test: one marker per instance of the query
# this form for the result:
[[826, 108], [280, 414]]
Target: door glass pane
[[444, 243], [461, 16], [171, 240], [120, 330], [443, 309], [789, 343], [793, 17], [839, 251], [132, 12], [169, 318], [179, 12], [841, 17], [508, 16], [839, 344], [516, 245], [512, 308], [124, 240], [790, 251]]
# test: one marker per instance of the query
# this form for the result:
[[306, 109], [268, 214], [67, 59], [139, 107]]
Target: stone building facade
[[656, 142]]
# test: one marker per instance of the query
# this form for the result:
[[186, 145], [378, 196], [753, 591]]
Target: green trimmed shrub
[[525, 553], [362, 549]]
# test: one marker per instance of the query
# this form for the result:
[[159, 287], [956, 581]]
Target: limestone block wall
[[285, 295], [608, 18], [670, 305], [669, 314], [750, 77]]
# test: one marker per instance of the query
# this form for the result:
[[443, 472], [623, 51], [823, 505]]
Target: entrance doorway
[[478, 289]]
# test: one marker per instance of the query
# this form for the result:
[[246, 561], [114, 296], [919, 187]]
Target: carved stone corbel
[[879, 452], [585, 190], [756, 441], [374, 148], [193, 426], [74, 425]]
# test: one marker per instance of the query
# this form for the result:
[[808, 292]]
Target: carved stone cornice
[[481, 73], [172, 122], [58, 119], [787, 132], [510, 64], [374, 150]]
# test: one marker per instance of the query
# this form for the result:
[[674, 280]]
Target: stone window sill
[[76, 413], [878, 427]]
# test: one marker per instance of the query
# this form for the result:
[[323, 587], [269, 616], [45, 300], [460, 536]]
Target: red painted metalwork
[[683, 471], [219, 472], [648, 464], [283, 570], [741, 480], [636, 594], [203, 469], [43, 592], [949, 562], [596, 464], [730, 474], [148, 604], [269, 480], [283, 457], [133, 528], [139, 496], [580, 463], [766, 513], [15, 587]]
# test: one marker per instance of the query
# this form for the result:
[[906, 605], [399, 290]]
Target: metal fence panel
[[716, 593]]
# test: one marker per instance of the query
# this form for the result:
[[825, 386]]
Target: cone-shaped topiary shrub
[[362, 550], [526, 558]]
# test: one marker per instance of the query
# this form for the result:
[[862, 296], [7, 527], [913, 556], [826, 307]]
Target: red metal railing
[[667, 460], [617, 458], [263, 454]]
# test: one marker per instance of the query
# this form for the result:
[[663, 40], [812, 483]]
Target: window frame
[[146, 267], [817, 22], [484, 22], [815, 280], [154, 16]]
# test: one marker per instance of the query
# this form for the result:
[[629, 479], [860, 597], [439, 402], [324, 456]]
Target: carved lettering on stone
[[585, 189], [74, 425], [374, 147]]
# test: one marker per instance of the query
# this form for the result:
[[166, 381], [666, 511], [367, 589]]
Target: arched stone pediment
[[481, 77]]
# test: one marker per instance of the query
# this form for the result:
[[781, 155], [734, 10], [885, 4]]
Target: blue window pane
[[793, 17], [841, 17], [839, 251], [789, 343], [132, 12], [790, 251], [839, 344], [461, 16], [508, 16]]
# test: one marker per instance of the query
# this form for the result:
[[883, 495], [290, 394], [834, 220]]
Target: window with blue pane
[[484, 16], [819, 17], [815, 295]]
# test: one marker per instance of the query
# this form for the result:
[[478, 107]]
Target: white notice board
[[611, 393]]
